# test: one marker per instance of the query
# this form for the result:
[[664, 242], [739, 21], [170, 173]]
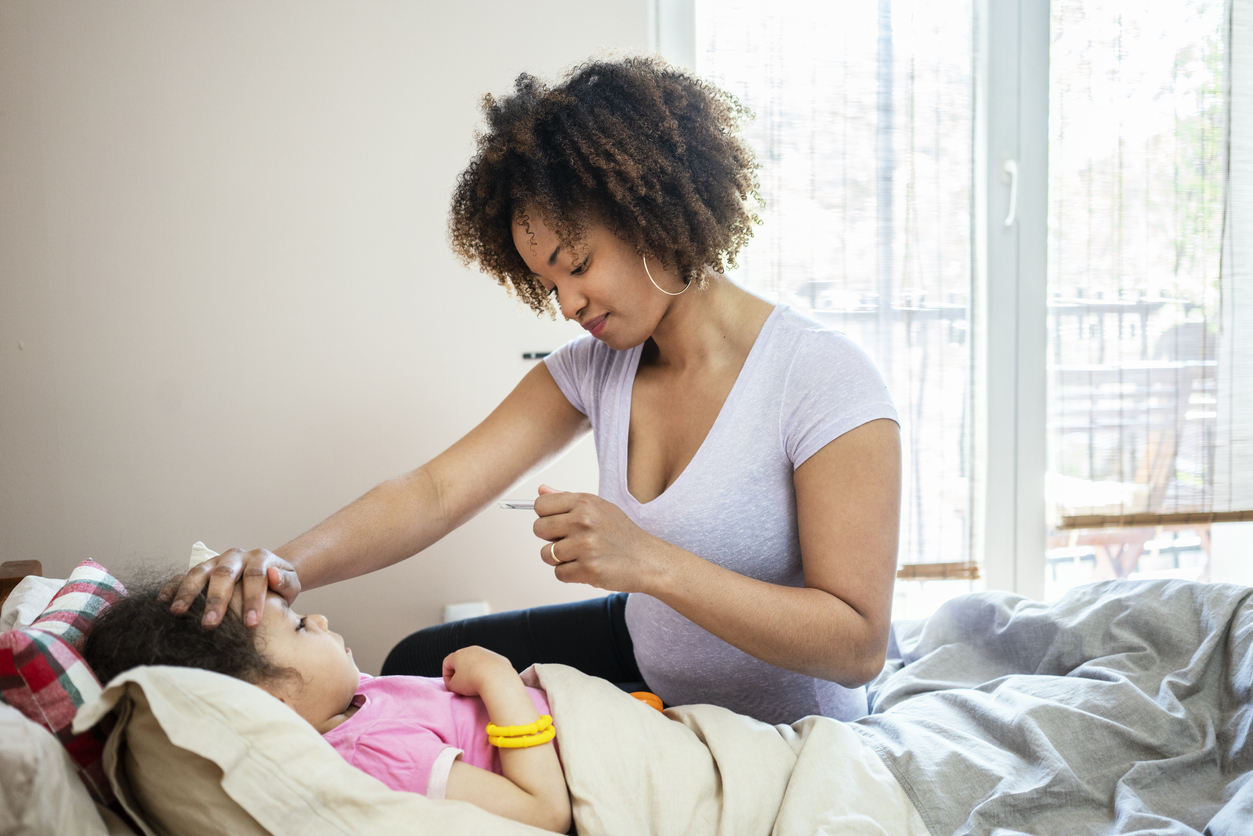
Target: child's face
[[307, 645]]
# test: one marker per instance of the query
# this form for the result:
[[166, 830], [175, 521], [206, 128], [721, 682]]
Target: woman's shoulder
[[804, 340], [824, 364], [584, 350], [830, 386], [585, 367]]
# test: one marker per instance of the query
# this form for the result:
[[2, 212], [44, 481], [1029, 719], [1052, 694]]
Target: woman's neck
[[707, 325]]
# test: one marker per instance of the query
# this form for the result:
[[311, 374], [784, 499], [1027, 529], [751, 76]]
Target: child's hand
[[472, 670]]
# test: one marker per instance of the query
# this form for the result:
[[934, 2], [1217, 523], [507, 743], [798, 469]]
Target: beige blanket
[[704, 771], [199, 753]]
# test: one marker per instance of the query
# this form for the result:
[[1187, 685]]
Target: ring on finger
[[552, 551]]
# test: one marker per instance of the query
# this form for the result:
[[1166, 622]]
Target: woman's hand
[[593, 541], [473, 670], [260, 570]]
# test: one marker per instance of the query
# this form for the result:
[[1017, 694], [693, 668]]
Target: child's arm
[[533, 788]]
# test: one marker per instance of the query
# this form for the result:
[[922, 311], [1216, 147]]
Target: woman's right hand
[[260, 569]]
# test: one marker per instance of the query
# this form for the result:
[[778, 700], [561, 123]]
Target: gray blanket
[[1147, 731]]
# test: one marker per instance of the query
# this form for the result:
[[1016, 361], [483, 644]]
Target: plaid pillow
[[89, 590], [43, 676]]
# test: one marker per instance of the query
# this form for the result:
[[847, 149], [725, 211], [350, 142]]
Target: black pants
[[589, 635]]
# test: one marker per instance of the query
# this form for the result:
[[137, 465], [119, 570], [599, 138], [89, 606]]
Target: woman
[[749, 459]]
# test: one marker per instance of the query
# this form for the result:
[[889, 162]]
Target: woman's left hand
[[591, 541]]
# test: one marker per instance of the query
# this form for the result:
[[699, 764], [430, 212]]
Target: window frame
[[1011, 292]]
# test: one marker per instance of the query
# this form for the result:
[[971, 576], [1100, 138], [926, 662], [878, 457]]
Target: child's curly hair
[[648, 150], [139, 629]]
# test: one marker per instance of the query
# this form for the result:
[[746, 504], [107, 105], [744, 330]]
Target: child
[[413, 733]]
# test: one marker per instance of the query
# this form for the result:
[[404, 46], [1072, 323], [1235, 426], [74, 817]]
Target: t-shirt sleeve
[[437, 783], [571, 366], [406, 758], [832, 387]]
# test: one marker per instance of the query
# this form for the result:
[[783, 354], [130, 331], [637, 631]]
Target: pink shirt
[[408, 730]]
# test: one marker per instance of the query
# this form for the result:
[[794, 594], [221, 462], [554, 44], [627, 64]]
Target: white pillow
[[195, 752], [39, 789], [27, 600], [199, 554]]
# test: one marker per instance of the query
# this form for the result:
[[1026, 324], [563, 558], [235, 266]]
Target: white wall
[[227, 306]]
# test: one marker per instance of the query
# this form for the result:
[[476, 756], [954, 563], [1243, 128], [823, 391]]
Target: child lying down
[[480, 735]]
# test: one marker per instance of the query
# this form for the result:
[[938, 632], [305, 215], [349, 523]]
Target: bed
[[1126, 707]]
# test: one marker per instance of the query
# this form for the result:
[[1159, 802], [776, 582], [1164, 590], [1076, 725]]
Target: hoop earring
[[654, 281]]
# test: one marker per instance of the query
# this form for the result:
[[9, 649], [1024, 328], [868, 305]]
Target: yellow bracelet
[[525, 741], [545, 721]]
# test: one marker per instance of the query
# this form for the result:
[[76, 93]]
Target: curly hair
[[648, 150], [139, 629]]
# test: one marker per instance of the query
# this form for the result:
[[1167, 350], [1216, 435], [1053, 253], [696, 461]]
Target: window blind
[[864, 129], [1145, 348]]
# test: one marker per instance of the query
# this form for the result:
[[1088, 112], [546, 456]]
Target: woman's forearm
[[848, 519], [805, 629], [405, 515], [393, 521]]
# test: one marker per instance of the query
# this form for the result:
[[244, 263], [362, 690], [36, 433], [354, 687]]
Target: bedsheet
[[1123, 708]]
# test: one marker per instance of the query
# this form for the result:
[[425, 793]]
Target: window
[[1137, 181], [864, 117], [1032, 215]]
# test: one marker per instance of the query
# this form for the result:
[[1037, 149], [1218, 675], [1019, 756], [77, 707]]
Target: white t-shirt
[[734, 504]]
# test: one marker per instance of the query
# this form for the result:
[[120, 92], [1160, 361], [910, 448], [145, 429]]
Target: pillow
[[89, 589], [195, 753], [27, 600], [199, 554], [39, 792], [43, 676]]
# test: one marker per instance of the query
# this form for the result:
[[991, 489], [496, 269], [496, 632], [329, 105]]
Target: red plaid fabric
[[43, 676], [90, 589]]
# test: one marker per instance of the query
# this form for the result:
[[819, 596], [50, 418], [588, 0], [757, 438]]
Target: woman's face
[[602, 285]]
